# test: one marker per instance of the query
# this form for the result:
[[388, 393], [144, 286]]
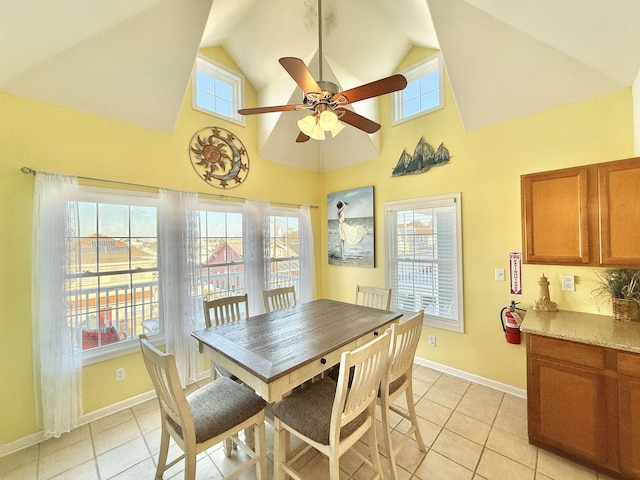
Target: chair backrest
[[279, 298], [358, 391], [164, 375], [373, 297], [225, 310], [404, 342]]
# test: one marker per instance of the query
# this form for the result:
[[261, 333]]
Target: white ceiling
[[131, 60]]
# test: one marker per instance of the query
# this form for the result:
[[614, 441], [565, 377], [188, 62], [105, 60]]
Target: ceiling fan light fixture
[[337, 129], [309, 126], [328, 120]]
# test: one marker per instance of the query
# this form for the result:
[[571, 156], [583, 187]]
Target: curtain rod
[[215, 195]]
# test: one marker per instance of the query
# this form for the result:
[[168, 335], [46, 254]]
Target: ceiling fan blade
[[358, 121], [301, 74], [302, 138], [374, 89], [278, 108]]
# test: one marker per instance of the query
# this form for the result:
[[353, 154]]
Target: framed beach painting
[[350, 227]]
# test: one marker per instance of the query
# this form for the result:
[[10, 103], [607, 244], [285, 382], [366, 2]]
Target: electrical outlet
[[120, 374], [499, 274], [432, 340], [568, 283]]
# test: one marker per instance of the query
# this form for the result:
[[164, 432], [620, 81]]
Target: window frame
[[216, 71], [119, 197], [269, 260], [429, 65], [456, 325]]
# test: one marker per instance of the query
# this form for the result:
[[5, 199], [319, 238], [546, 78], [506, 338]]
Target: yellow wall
[[485, 167]]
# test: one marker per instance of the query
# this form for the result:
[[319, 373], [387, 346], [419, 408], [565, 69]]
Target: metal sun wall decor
[[424, 157], [219, 157]]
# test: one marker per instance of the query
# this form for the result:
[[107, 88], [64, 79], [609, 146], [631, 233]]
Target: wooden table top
[[274, 344]]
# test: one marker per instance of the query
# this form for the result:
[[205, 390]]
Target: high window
[[282, 259], [217, 91], [423, 93], [112, 293], [424, 258]]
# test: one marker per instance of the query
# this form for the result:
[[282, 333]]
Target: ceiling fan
[[324, 100]]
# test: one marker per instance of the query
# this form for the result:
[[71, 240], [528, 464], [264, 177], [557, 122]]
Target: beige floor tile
[[438, 467], [453, 384], [515, 405], [111, 421], [18, 459], [85, 471], [468, 427], [485, 395], [443, 397], [480, 411], [511, 423], [457, 448], [426, 374], [115, 436], [558, 468], [512, 446], [122, 457], [52, 445], [410, 456], [433, 412], [27, 471], [142, 470], [64, 459], [494, 466], [420, 387]]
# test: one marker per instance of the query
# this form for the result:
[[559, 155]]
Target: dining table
[[275, 352]]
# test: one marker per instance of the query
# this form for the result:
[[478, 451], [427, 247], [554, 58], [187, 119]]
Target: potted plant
[[622, 286]]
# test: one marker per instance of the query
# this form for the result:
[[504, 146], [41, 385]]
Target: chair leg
[[280, 449], [414, 417], [386, 426], [190, 465], [164, 451], [334, 467], [373, 447], [261, 451]]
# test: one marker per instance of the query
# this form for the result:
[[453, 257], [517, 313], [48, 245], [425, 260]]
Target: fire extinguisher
[[510, 320]]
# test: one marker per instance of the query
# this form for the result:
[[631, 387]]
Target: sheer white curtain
[[57, 351], [179, 266], [307, 257], [255, 232]]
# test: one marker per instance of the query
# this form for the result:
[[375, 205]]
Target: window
[[221, 253], [423, 93], [217, 91], [282, 260], [424, 258], [112, 293]]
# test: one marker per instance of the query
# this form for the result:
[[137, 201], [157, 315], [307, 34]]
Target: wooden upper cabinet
[[619, 200], [587, 215], [555, 217]]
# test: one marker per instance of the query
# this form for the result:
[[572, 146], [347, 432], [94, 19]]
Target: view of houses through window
[[112, 279]]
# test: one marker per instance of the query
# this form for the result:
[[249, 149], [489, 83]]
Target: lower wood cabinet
[[584, 403]]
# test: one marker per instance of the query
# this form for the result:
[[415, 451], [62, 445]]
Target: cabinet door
[[567, 408], [555, 217], [619, 199], [629, 412]]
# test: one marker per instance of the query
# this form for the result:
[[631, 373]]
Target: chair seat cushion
[[220, 406], [308, 411], [396, 384]]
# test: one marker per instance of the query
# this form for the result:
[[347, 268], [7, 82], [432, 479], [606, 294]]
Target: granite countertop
[[584, 328]]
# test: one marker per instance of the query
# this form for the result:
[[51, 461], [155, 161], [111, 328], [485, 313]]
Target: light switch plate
[[568, 283], [499, 274]]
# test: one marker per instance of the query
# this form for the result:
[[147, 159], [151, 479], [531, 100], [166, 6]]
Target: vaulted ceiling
[[131, 61]]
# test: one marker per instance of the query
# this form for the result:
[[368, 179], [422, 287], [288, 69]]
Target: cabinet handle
[[323, 361], [375, 334]]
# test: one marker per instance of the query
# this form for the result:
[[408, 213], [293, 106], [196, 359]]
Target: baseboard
[[35, 438], [487, 382]]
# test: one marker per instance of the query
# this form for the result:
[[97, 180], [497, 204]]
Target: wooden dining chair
[[211, 414], [398, 380], [225, 310], [332, 416], [373, 297], [279, 298]]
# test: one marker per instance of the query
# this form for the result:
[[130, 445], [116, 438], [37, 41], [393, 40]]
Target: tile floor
[[472, 433]]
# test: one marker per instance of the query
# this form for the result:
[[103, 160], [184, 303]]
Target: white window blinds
[[424, 261]]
